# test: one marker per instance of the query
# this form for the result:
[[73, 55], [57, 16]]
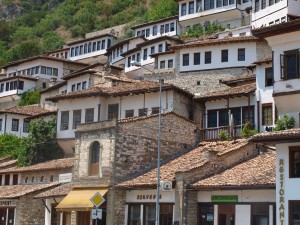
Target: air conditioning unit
[[166, 185]]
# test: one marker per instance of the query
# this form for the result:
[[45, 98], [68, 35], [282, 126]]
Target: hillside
[[30, 27]]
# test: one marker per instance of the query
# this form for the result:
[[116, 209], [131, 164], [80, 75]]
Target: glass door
[[226, 214]]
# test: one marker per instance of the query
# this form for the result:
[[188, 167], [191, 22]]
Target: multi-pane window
[[209, 4], [199, 5], [76, 118], [256, 5], [294, 163], [269, 77], [167, 28], [267, 114], [147, 32], [134, 214], [83, 85], [294, 215], [170, 63], [290, 61], [260, 213], [103, 44], [224, 55], [160, 48], [15, 125], [263, 4], [129, 113], [155, 110], [241, 54], [73, 88], [149, 214], [197, 58], [207, 58], [152, 50], [138, 57], [129, 61], [1, 121], [212, 118], [154, 30], [172, 27], [113, 111], [185, 59], [191, 7], [94, 159], [26, 126], [162, 29], [89, 115], [145, 55], [143, 112], [162, 64], [64, 124], [183, 9]]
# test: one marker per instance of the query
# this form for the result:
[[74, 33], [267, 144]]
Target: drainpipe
[[5, 119]]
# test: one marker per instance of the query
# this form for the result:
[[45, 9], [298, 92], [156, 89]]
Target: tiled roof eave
[[233, 187]]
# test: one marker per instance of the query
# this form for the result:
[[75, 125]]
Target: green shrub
[[248, 130], [30, 97], [223, 136], [285, 123]]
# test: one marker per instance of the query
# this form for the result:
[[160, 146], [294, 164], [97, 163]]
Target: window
[[11, 86], [80, 49], [83, 85], [219, 3], [267, 114], [94, 159], [26, 180], [15, 125], [108, 43], [248, 115], [145, 55], [191, 7], [94, 46], [134, 214], [152, 50], [225, 2], [147, 32], [64, 124], [263, 4], [167, 28], [197, 58], [55, 72], [241, 54], [271, 2], [138, 33], [256, 5], [43, 70], [2, 87], [162, 64], [183, 9], [72, 52], [73, 88], [103, 44], [260, 213], [143, 112], [26, 126], [129, 113], [185, 59], [6, 179], [223, 118], [49, 71], [209, 4], [76, 118], [98, 45], [269, 77], [212, 118], [290, 65], [206, 214], [113, 111], [21, 85], [149, 214], [143, 33], [129, 62], [207, 59], [160, 48], [1, 121], [89, 115], [138, 57], [294, 212], [294, 162], [224, 55], [154, 30], [78, 86], [42, 179], [172, 27], [7, 86], [15, 179], [199, 5], [155, 110], [170, 63]]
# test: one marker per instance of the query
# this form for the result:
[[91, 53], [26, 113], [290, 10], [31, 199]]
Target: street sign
[[97, 200], [96, 214]]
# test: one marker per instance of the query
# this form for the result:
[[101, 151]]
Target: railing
[[209, 134]]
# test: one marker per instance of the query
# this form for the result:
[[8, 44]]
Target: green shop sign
[[224, 198]]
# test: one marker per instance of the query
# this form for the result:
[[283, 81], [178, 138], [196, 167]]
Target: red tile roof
[[30, 110], [56, 164], [256, 172], [186, 162], [19, 77], [16, 191], [59, 191], [7, 164], [277, 136]]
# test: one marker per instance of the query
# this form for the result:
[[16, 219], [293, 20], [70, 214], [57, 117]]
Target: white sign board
[[65, 177], [96, 214]]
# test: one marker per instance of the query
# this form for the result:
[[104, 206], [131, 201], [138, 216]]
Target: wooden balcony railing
[[209, 134]]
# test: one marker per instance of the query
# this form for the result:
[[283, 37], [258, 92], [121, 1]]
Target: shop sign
[[7, 203], [281, 192], [224, 198], [147, 197], [65, 177]]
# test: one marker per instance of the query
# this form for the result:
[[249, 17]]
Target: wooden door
[[3, 212], [226, 214]]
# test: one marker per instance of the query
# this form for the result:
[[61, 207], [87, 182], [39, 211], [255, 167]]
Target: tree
[[11, 145], [51, 41], [30, 97], [161, 9]]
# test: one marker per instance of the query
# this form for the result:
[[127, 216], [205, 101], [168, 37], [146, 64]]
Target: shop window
[[294, 212], [15, 179], [89, 115], [113, 112], [11, 216], [224, 55], [206, 214], [94, 159], [166, 214], [207, 58], [269, 77], [241, 54], [76, 118], [294, 163], [290, 65], [15, 125], [226, 214], [64, 125], [134, 215], [129, 113], [267, 114], [260, 214]]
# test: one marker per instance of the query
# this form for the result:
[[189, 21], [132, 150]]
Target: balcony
[[213, 134]]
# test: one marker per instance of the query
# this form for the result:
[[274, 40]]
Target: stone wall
[[116, 200], [30, 211]]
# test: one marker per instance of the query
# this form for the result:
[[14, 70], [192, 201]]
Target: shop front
[[141, 207], [7, 212]]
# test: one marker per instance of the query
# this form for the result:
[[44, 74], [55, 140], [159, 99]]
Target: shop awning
[[79, 200]]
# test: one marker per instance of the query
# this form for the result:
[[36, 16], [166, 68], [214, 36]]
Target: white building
[[16, 120], [92, 49], [142, 55], [284, 40], [267, 13], [228, 13], [163, 27], [62, 53]]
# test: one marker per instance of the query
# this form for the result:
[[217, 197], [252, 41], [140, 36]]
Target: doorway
[[226, 215]]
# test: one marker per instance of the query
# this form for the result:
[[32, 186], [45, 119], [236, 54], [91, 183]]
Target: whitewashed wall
[[8, 125], [77, 80], [28, 85]]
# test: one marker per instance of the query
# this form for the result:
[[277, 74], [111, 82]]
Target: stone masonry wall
[[30, 211]]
